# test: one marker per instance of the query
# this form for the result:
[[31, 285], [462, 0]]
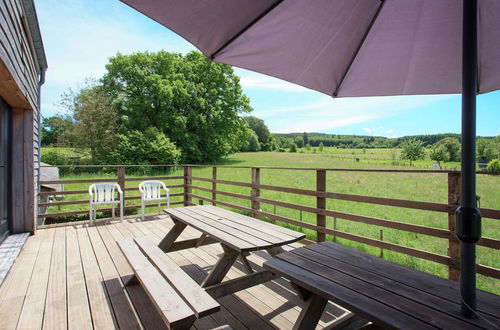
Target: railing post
[[187, 185], [121, 178], [453, 242], [320, 204], [214, 185], [255, 190]]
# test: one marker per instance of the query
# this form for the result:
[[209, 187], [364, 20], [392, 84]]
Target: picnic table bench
[[390, 295], [238, 234], [176, 296]]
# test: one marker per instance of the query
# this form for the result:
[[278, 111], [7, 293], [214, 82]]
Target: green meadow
[[430, 187]]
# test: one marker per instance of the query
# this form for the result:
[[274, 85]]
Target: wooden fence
[[190, 191]]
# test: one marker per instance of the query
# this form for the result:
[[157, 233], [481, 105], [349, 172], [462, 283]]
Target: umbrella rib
[[248, 26], [382, 2]]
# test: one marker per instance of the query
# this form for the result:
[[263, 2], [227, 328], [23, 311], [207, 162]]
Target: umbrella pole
[[468, 227]]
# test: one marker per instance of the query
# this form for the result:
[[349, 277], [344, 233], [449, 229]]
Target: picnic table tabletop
[[238, 234], [390, 295], [238, 231]]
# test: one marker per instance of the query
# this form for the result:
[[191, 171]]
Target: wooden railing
[[193, 192]]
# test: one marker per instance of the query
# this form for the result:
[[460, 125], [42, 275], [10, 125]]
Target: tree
[[306, 138], [412, 150], [452, 145], [252, 142], [197, 104], [293, 147], [321, 146], [57, 130], [486, 149], [299, 141], [259, 127], [149, 147], [96, 120], [439, 153]]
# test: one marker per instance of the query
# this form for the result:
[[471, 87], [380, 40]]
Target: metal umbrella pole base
[[468, 231]]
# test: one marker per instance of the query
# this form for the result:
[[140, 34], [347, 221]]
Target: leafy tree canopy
[[412, 150], [195, 103], [56, 130], [259, 127], [452, 145]]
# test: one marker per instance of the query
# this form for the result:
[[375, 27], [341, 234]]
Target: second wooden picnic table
[[238, 234]]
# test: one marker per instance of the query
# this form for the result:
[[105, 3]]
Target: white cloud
[[327, 113], [390, 131], [381, 127], [367, 130]]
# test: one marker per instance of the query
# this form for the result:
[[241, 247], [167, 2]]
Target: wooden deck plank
[[34, 304], [55, 316], [271, 305], [100, 307], [13, 290], [149, 316], [79, 316]]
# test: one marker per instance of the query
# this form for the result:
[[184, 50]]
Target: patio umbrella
[[353, 48]]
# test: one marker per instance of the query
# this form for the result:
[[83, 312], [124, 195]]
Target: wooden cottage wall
[[19, 77]]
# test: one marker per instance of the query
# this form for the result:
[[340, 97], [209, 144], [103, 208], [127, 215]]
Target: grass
[[431, 187]]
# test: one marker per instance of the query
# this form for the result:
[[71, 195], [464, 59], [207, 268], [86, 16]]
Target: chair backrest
[[152, 189], [103, 192]]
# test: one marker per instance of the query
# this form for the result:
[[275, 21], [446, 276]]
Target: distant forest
[[361, 141]]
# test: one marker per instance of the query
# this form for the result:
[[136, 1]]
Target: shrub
[[293, 147], [494, 166], [149, 147]]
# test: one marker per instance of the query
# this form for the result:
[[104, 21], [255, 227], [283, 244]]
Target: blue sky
[[80, 36]]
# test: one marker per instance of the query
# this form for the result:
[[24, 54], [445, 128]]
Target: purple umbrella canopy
[[354, 48], [340, 47]]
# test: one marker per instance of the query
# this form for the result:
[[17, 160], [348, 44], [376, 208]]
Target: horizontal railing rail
[[210, 190]]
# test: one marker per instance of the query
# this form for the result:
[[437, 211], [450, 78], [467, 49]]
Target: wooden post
[[334, 228], [214, 186], [320, 203], [381, 239], [255, 190], [187, 185], [121, 178], [453, 242]]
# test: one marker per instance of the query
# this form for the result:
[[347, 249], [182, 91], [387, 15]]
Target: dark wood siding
[[19, 78]]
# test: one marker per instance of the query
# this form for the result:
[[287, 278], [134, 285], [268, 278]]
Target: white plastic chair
[[151, 191], [104, 193]]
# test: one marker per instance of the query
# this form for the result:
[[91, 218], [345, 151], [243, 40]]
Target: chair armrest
[[119, 189]]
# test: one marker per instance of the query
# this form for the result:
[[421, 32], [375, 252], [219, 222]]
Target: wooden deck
[[72, 277]]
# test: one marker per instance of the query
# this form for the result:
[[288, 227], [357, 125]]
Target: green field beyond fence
[[424, 187]]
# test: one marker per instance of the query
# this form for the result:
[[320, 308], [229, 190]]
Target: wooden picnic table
[[390, 295], [238, 234]]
